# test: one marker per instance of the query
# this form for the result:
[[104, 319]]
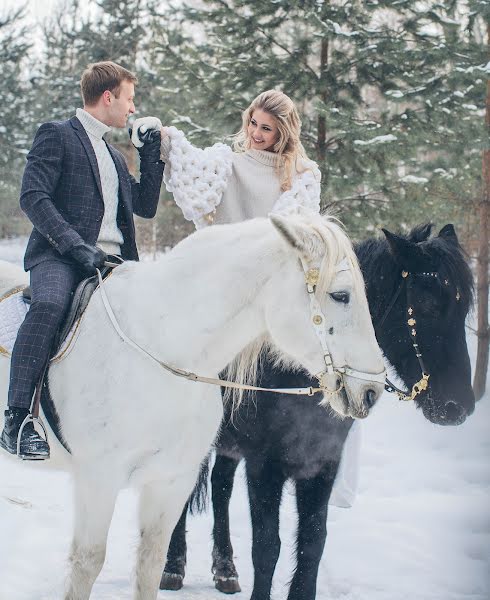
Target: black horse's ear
[[404, 251], [421, 233], [449, 234]]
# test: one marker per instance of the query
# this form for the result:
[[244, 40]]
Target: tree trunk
[[483, 333]]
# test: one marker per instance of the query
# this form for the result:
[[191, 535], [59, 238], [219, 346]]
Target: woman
[[267, 171]]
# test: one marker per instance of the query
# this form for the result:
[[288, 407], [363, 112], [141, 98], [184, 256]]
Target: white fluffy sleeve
[[305, 191], [197, 178]]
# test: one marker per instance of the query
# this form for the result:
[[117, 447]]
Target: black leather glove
[[150, 151], [89, 257]]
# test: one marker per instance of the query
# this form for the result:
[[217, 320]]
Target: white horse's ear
[[294, 232]]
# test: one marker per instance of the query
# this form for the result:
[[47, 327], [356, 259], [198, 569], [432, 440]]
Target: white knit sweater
[[110, 236], [221, 186]]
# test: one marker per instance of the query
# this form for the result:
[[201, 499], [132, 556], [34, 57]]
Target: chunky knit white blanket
[[197, 178]]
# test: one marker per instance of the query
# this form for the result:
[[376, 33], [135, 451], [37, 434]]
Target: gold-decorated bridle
[[423, 384]]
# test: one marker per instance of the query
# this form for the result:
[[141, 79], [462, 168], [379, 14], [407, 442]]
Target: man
[[80, 197]]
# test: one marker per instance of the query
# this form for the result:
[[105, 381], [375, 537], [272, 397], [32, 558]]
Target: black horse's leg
[[265, 491], [312, 501], [225, 573], [174, 571]]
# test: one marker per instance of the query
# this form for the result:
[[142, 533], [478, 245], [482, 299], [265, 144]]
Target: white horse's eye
[[343, 297]]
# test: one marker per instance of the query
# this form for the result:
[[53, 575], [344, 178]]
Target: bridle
[[411, 322], [318, 320], [312, 276]]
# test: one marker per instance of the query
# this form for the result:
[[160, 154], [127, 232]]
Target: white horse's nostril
[[370, 398]]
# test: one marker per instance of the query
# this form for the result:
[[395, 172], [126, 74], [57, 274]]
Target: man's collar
[[91, 124]]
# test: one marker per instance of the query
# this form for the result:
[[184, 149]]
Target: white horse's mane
[[333, 244]]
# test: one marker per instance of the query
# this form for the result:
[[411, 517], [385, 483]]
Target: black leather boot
[[32, 445]]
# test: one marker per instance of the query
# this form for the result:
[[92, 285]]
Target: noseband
[[411, 322], [312, 276]]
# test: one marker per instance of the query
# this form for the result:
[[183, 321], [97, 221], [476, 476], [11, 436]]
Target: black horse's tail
[[198, 500]]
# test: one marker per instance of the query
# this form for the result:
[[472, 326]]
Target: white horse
[[130, 423], [11, 277]]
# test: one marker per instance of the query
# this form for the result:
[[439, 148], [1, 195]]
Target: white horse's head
[[317, 313]]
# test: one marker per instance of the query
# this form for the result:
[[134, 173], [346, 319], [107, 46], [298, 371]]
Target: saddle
[[80, 301]]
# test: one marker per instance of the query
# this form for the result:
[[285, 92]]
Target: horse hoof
[[227, 585], [171, 581]]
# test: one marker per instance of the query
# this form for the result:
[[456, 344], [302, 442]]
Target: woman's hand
[[141, 126]]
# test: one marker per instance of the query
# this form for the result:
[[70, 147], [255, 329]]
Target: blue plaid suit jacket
[[62, 195]]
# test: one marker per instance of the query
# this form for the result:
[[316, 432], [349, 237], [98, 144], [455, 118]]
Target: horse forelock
[[337, 247], [420, 233]]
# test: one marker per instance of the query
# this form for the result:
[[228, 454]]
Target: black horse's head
[[430, 311]]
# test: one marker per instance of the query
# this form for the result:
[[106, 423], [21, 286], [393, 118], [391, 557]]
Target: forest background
[[391, 94]]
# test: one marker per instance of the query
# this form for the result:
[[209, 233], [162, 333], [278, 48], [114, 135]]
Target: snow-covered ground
[[420, 528]]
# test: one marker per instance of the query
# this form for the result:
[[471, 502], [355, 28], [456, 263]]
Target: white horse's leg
[[158, 517], [94, 506]]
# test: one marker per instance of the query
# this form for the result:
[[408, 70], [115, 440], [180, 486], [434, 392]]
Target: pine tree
[[66, 52], [387, 91], [16, 122], [439, 103]]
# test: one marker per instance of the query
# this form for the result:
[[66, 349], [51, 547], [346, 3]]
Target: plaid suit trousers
[[52, 285]]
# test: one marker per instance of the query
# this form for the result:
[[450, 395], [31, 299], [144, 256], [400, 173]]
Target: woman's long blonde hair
[[288, 147]]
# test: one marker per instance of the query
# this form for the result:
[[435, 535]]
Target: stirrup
[[30, 419]]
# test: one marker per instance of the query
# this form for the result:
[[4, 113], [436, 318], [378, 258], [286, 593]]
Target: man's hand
[[90, 258], [145, 136], [151, 150]]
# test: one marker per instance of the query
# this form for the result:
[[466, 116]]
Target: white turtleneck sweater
[[110, 237], [252, 189]]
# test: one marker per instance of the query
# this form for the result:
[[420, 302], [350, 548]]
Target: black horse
[[419, 290]]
